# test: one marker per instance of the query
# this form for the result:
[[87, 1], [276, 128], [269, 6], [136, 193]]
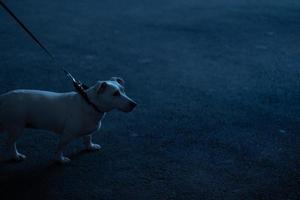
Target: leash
[[79, 87], [25, 29]]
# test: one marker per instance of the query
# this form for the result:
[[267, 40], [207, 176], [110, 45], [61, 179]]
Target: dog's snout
[[132, 104]]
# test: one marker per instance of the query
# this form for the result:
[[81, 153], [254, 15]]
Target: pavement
[[217, 84]]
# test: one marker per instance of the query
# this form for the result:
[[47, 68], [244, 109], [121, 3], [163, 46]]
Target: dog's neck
[[90, 104]]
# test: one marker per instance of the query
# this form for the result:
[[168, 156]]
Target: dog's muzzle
[[130, 106]]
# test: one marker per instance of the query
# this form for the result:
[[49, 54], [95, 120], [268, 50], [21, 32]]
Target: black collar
[[80, 89]]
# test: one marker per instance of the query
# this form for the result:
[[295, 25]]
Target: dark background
[[217, 85]]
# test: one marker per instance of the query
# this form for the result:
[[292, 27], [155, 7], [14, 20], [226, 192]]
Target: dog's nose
[[132, 104]]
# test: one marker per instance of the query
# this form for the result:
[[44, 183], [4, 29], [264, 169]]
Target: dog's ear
[[119, 80], [101, 87]]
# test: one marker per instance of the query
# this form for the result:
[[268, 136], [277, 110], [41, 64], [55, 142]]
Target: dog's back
[[33, 109]]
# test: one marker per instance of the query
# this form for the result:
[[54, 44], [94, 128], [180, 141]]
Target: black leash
[[25, 28], [79, 87]]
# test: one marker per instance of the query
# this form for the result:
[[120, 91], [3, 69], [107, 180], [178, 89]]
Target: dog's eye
[[116, 94]]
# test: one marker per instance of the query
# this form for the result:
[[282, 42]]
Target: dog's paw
[[93, 147], [19, 157], [63, 160]]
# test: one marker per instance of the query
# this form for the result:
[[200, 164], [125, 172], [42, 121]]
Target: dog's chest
[[90, 125]]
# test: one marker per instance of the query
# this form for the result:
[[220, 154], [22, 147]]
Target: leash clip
[[77, 84], [80, 89]]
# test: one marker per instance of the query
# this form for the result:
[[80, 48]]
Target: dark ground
[[218, 91]]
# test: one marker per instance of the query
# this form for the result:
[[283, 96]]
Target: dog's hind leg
[[13, 134]]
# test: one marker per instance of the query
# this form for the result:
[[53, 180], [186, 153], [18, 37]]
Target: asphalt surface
[[217, 85]]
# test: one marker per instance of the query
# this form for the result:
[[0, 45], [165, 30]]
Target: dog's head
[[111, 95]]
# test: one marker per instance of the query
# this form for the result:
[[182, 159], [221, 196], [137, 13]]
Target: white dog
[[67, 114]]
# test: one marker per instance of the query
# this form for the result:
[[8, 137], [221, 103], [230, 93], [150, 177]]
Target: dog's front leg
[[64, 141], [88, 144]]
